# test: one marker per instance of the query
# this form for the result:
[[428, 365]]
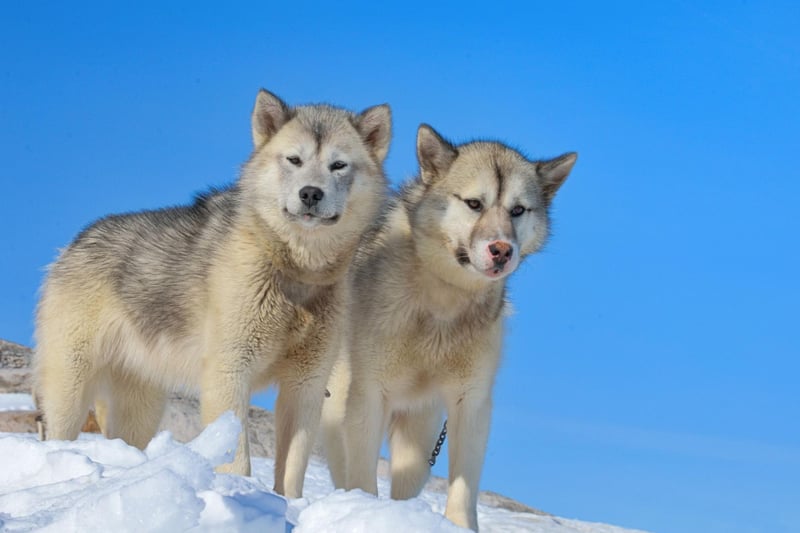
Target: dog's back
[[153, 263]]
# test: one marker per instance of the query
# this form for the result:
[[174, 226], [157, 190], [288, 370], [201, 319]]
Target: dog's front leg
[[333, 419], [226, 387], [302, 378], [298, 410], [469, 415], [365, 424]]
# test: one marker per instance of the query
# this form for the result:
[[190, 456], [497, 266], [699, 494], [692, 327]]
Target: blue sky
[[650, 374]]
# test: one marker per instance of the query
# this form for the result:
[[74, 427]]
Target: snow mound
[[358, 512], [94, 484], [100, 485]]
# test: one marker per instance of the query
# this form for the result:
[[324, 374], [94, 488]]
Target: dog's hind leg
[[134, 411], [412, 436], [65, 365], [63, 387], [63, 394]]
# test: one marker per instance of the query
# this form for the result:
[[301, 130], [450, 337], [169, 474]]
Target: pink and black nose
[[501, 252]]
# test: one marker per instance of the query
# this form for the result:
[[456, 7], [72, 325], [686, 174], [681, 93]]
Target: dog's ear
[[554, 172], [269, 114], [435, 155], [375, 126]]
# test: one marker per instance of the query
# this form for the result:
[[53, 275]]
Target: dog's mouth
[[495, 271], [311, 219]]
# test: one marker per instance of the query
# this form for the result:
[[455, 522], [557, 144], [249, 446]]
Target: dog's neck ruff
[[284, 257], [448, 300], [328, 274]]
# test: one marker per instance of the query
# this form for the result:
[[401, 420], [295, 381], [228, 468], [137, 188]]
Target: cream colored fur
[[241, 290], [426, 319]]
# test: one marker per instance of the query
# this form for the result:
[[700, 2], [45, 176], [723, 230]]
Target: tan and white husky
[[426, 316], [243, 288]]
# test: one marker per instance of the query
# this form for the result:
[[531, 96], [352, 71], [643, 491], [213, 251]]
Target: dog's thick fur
[[427, 316], [242, 289]]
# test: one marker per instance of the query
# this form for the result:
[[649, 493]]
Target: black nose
[[311, 195], [501, 252]]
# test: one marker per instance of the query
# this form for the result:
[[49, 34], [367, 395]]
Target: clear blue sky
[[651, 371]]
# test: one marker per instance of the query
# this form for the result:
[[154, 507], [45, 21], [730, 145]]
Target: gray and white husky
[[426, 316], [243, 288]]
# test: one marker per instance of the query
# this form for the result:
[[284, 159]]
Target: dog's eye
[[296, 161], [337, 165], [474, 204], [517, 210]]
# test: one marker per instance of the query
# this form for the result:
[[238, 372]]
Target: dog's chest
[[439, 346], [284, 313], [432, 354], [305, 298], [307, 306]]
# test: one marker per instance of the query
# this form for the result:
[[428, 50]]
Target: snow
[[16, 402], [95, 484]]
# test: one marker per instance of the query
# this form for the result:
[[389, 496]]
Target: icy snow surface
[[95, 484], [16, 402]]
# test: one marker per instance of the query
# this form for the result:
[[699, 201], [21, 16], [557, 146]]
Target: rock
[[15, 372], [18, 421], [13, 355]]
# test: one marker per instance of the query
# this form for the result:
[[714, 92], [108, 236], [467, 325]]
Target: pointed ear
[[554, 172], [375, 126], [435, 155], [269, 114]]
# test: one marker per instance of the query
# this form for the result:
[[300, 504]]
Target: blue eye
[[517, 210], [337, 165]]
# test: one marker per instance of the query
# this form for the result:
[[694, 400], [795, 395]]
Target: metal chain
[[438, 447]]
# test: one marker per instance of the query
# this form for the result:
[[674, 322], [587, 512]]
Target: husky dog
[[242, 289], [428, 299]]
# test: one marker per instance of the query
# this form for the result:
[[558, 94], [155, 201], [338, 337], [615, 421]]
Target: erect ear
[[375, 126], [435, 155], [554, 172], [269, 114]]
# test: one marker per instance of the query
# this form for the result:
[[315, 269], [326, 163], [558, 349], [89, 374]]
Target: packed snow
[[95, 484], [14, 401]]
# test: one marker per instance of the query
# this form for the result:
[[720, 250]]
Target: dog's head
[[482, 206], [316, 167]]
